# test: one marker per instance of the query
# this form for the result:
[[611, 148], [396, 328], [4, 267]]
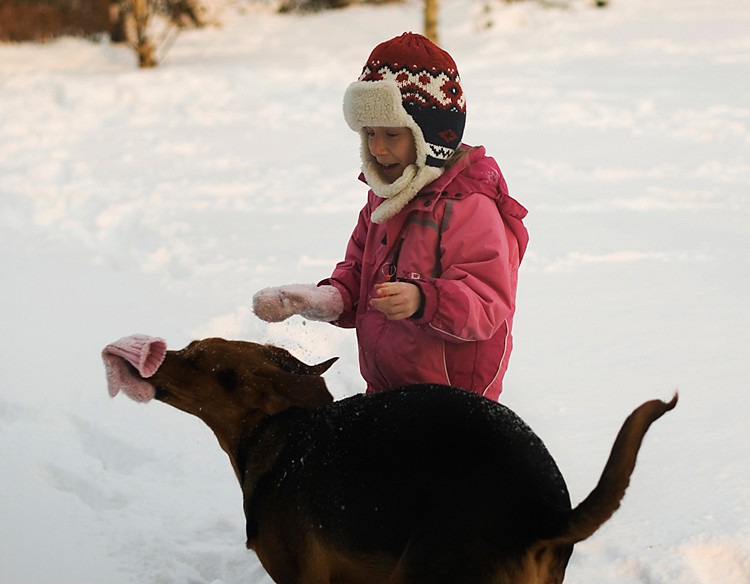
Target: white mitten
[[323, 303]]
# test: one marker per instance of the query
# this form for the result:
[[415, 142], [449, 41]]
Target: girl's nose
[[376, 145]]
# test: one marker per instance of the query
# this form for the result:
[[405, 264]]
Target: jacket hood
[[479, 173]]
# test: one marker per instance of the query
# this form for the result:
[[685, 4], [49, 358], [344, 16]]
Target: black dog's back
[[425, 463]]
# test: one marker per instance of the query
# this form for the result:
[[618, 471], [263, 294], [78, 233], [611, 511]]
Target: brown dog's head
[[212, 376], [230, 385]]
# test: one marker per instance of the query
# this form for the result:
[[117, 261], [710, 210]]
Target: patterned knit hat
[[409, 82]]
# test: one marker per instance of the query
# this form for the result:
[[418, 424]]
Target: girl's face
[[393, 149]]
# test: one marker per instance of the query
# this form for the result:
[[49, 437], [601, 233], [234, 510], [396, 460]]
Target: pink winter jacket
[[461, 241]]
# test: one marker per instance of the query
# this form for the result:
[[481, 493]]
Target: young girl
[[430, 272]]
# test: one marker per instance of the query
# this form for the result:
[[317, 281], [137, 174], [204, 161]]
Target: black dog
[[421, 485]]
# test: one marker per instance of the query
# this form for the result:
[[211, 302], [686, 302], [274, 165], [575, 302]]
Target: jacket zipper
[[391, 269]]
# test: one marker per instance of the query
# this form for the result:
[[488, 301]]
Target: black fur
[[376, 468]]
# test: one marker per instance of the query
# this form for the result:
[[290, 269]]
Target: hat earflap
[[370, 104], [373, 104]]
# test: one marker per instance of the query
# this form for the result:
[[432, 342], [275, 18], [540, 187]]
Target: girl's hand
[[397, 300]]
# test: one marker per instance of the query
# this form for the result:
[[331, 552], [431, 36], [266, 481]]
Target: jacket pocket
[[475, 365]]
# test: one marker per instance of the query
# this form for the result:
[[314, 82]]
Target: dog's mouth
[[161, 393]]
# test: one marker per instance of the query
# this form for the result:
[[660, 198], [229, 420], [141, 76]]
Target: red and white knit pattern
[[425, 88]]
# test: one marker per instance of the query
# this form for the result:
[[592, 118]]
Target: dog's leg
[[439, 555], [290, 559]]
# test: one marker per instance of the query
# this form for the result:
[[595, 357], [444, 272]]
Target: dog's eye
[[228, 379]]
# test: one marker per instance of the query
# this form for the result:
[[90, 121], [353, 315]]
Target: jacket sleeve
[[475, 293], [347, 275]]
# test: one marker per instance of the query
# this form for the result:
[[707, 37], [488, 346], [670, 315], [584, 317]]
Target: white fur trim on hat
[[374, 103]]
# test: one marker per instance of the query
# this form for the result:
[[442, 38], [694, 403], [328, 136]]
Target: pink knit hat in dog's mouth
[[124, 358]]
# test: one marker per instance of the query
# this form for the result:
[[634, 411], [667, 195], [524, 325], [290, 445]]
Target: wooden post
[[144, 46], [431, 20]]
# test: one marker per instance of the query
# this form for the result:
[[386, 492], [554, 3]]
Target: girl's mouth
[[389, 171]]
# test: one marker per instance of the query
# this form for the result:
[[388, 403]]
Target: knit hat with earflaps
[[408, 82]]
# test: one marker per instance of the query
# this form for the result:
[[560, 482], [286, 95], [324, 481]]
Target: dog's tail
[[605, 499]]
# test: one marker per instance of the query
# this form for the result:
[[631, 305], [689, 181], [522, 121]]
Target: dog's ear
[[297, 382], [287, 362]]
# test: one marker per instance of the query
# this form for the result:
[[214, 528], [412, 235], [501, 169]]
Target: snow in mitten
[[321, 303]]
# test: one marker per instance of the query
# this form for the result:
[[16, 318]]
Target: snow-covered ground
[[159, 201]]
